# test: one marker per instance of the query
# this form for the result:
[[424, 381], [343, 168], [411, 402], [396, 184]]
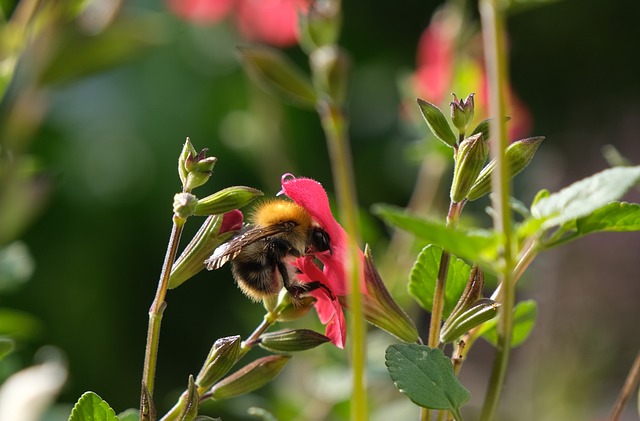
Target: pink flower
[[273, 22], [311, 196]]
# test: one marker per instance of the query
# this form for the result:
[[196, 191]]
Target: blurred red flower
[[273, 22]]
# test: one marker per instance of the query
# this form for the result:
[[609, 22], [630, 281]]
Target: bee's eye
[[320, 240]]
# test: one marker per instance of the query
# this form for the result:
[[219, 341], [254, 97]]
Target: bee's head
[[319, 240]]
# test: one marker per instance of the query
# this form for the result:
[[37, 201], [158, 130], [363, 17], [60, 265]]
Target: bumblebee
[[261, 254]]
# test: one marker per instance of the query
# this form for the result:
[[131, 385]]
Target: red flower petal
[[274, 22], [201, 11], [231, 221]]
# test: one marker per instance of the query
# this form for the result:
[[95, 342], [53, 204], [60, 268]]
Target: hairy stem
[[492, 18], [155, 314]]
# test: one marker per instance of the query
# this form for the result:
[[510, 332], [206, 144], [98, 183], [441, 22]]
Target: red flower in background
[[434, 78], [273, 22]]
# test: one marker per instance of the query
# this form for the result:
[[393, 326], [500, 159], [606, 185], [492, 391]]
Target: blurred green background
[[103, 117]]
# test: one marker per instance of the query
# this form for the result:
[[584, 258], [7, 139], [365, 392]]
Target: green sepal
[[276, 73], [226, 200], [250, 377], [291, 340], [222, 357], [437, 122], [191, 260], [320, 26], [484, 127], [469, 160], [330, 67], [518, 155], [481, 311], [191, 402]]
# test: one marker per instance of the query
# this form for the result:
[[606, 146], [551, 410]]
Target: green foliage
[[616, 216], [524, 313], [250, 377], [261, 413], [478, 245], [422, 279], [129, 415], [91, 407], [425, 375]]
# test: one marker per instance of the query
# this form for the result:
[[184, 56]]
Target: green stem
[[441, 281], [155, 316], [334, 124], [492, 18]]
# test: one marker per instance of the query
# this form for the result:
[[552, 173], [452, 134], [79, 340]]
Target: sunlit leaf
[[477, 245], [424, 273], [585, 196], [437, 122], [426, 376], [91, 407], [616, 216]]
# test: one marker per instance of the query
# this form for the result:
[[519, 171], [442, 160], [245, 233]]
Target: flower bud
[[330, 69], [184, 204], [380, 309], [462, 112], [470, 158], [472, 291], [190, 402], [291, 340], [250, 377], [221, 358], [194, 168], [226, 200], [481, 311], [321, 25], [214, 231], [290, 308], [518, 155]]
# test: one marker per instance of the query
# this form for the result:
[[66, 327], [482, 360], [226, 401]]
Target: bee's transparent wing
[[229, 250]]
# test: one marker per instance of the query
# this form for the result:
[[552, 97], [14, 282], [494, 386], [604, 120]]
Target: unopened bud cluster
[[472, 178]]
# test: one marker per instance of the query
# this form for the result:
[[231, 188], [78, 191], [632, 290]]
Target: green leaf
[[437, 122], [585, 196], [276, 73], [422, 279], [477, 245], [261, 413], [6, 346], [616, 216], [426, 376], [129, 415], [525, 314], [91, 407]]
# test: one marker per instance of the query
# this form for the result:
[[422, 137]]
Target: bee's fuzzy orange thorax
[[277, 211]]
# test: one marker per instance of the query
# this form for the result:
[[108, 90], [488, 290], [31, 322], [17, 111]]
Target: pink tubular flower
[[311, 196]]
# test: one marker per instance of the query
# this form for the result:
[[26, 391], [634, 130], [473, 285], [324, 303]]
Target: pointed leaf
[[426, 376], [437, 122], [91, 407], [477, 245], [525, 314], [585, 196], [424, 273], [129, 415], [275, 72]]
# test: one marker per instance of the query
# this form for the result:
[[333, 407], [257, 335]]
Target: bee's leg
[[298, 289]]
